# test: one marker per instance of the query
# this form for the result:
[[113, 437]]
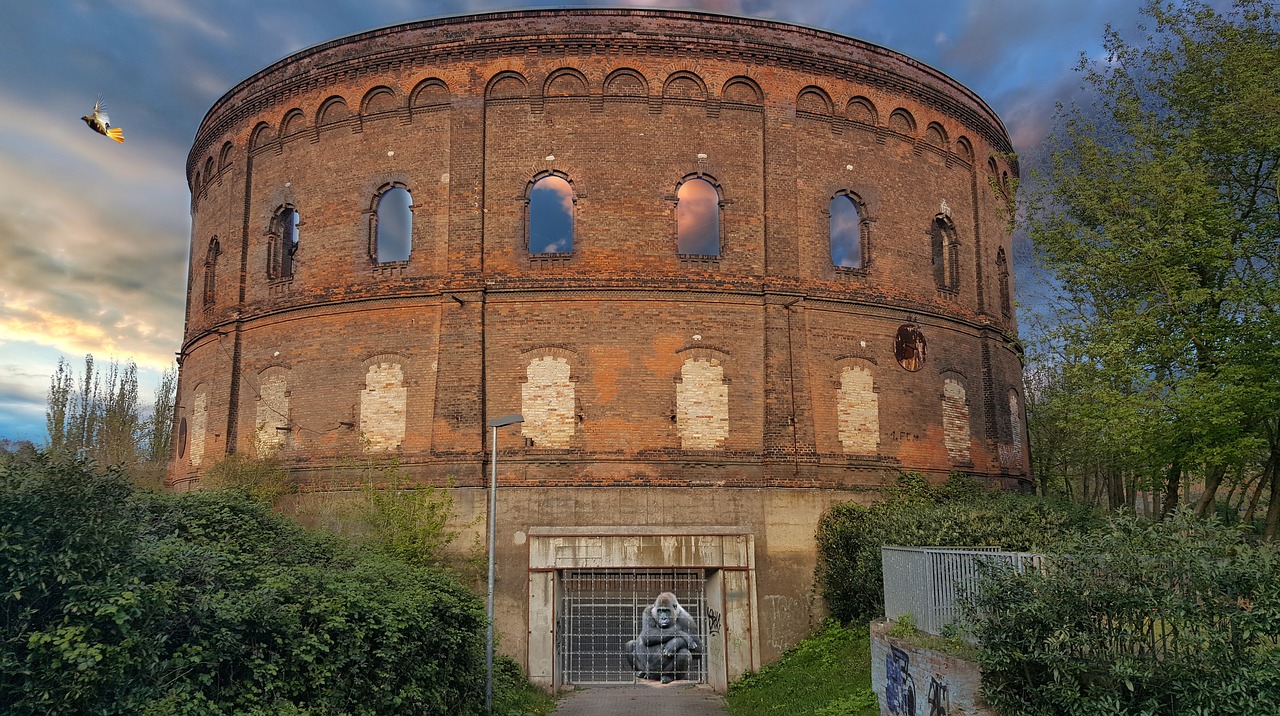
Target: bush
[[117, 601], [1179, 618], [916, 514]]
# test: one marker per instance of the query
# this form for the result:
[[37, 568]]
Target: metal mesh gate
[[600, 612]]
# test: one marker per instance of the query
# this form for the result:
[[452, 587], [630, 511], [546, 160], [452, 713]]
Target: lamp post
[[493, 517]]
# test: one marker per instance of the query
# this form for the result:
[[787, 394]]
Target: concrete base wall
[[910, 679], [756, 545]]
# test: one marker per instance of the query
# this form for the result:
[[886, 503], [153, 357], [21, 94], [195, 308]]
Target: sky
[[94, 235]]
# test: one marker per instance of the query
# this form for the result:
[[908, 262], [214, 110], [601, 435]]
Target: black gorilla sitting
[[665, 646]]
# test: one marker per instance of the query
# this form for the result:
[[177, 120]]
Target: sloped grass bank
[[828, 674]]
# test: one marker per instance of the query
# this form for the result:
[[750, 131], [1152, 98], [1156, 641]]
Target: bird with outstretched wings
[[99, 122]]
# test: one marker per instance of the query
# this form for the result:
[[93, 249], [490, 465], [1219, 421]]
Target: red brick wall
[[462, 315]]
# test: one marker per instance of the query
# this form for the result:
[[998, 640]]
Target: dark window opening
[[698, 218], [393, 226], [1002, 269], [946, 254], [284, 243], [211, 273], [551, 216]]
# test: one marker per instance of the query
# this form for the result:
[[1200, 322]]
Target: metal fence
[[600, 611], [929, 582]]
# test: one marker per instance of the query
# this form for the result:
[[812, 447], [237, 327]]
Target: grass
[[828, 674]]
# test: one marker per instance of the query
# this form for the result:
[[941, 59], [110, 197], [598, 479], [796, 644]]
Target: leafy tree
[[1157, 216]]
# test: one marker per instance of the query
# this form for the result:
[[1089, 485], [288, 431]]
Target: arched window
[[211, 272], [551, 216], [846, 232], [393, 226], [946, 254], [1002, 270], [284, 243], [698, 218]]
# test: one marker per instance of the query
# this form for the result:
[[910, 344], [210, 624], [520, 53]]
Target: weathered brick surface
[[909, 679], [765, 367]]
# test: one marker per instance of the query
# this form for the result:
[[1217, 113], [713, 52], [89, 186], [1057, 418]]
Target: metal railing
[[929, 582]]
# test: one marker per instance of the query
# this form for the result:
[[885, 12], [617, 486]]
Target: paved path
[[681, 698]]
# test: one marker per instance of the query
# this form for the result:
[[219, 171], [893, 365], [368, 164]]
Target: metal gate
[[600, 612]]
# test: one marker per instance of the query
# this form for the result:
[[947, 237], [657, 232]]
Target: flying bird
[[101, 123]]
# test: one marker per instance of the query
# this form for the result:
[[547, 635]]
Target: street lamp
[[493, 517]]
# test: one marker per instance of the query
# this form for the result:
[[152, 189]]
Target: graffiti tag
[[899, 687], [713, 622]]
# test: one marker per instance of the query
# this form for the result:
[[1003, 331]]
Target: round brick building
[[729, 271]]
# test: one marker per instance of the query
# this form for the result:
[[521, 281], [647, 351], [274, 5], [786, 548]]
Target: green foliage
[[1156, 216], [263, 478], [1174, 618], [829, 674], [916, 514], [119, 601], [903, 627], [513, 695], [409, 524]]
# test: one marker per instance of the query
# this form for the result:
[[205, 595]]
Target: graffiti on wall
[[900, 687], [939, 698]]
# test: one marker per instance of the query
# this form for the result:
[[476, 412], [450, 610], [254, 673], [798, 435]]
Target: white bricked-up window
[[1015, 424], [393, 226], [272, 421], [955, 421], [547, 403], [199, 423], [382, 407], [858, 409], [702, 405]]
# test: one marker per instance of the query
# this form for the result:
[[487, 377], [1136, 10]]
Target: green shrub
[[829, 673], [915, 514], [1179, 618], [116, 601]]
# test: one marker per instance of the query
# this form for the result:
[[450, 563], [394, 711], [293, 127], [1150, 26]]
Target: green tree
[[1156, 214]]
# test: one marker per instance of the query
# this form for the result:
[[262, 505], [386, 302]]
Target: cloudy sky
[[94, 235]]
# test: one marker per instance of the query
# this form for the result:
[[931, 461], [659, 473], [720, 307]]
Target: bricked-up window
[[283, 247], [211, 272], [858, 410], [702, 405], [955, 421], [1002, 271], [847, 231], [1015, 425], [272, 414], [393, 226], [551, 216], [383, 403], [547, 403], [698, 218], [199, 423], [946, 253]]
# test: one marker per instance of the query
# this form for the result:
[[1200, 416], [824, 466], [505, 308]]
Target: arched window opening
[[1002, 270], [698, 218], [551, 216], [946, 254], [284, 243], [393, 226], [846, 232], [211, 273]]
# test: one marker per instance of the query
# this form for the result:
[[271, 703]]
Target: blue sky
[[94, 235]]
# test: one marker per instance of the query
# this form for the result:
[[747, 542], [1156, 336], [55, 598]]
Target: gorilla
[[665, 646]]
